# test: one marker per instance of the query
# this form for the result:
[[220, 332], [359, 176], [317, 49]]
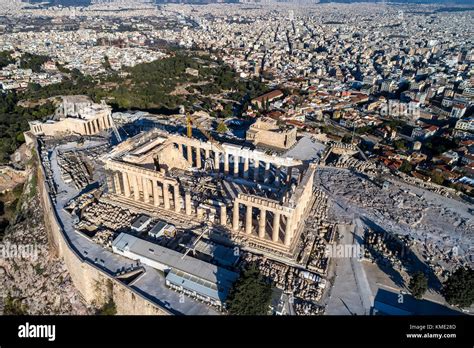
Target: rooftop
[[176, 260]]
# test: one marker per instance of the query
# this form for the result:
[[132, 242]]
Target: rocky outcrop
[[30, 270]]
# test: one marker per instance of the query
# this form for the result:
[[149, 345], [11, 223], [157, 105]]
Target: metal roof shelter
[[194, 284], [141, 222], [196, 274], [223, 255], [159, 229]]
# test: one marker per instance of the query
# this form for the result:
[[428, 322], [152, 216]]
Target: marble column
[[177, 202], [146, 194], [289, 170], [156, 196], [136, 189], [262, 223], [246, 167], [266, 175], [198, 157], [223, 215], [199, 212], [187, 202], [109, 180], [216, 161], [248, 220], [236, 166], [126, 184], [226, 163], [180, 148], [118, 189], [277, 175], [101, 123], [189, 154], [235, 218], [256, 169], [288, 230], [166, 196], [276, 227]]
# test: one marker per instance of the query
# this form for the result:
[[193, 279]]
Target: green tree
[[458, 290], [406, 167], [106, 63], [250, 295], [5, 59], [437, 178], [222, 128], [400, 144], [418, 285], [33, 61]]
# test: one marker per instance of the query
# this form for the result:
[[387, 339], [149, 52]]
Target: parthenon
[[249, 196]]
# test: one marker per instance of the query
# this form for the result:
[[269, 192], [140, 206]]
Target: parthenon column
[[246, 167], [262, 223], [248, 220], [226, 163], [236, 166], [126, 184], [118, 189], [101, 123], [166, 195], [289, 171], [288, 230], [109, 180], [156, 197], [198, 157], [256, 168], [190, 154], [235, 218], [276, 227], [223, 215], [187, 202], [146, 194], [136, 191], [277, 175], [216, 161], [266, 175], [180, 148], [177, 202]]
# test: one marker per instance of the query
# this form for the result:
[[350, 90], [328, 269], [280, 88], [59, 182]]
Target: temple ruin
[[251, 198]]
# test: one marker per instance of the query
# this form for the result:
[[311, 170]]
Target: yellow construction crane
[[190, 121]]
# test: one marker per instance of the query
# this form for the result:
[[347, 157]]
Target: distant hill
[[440, 2], [447, 2]]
